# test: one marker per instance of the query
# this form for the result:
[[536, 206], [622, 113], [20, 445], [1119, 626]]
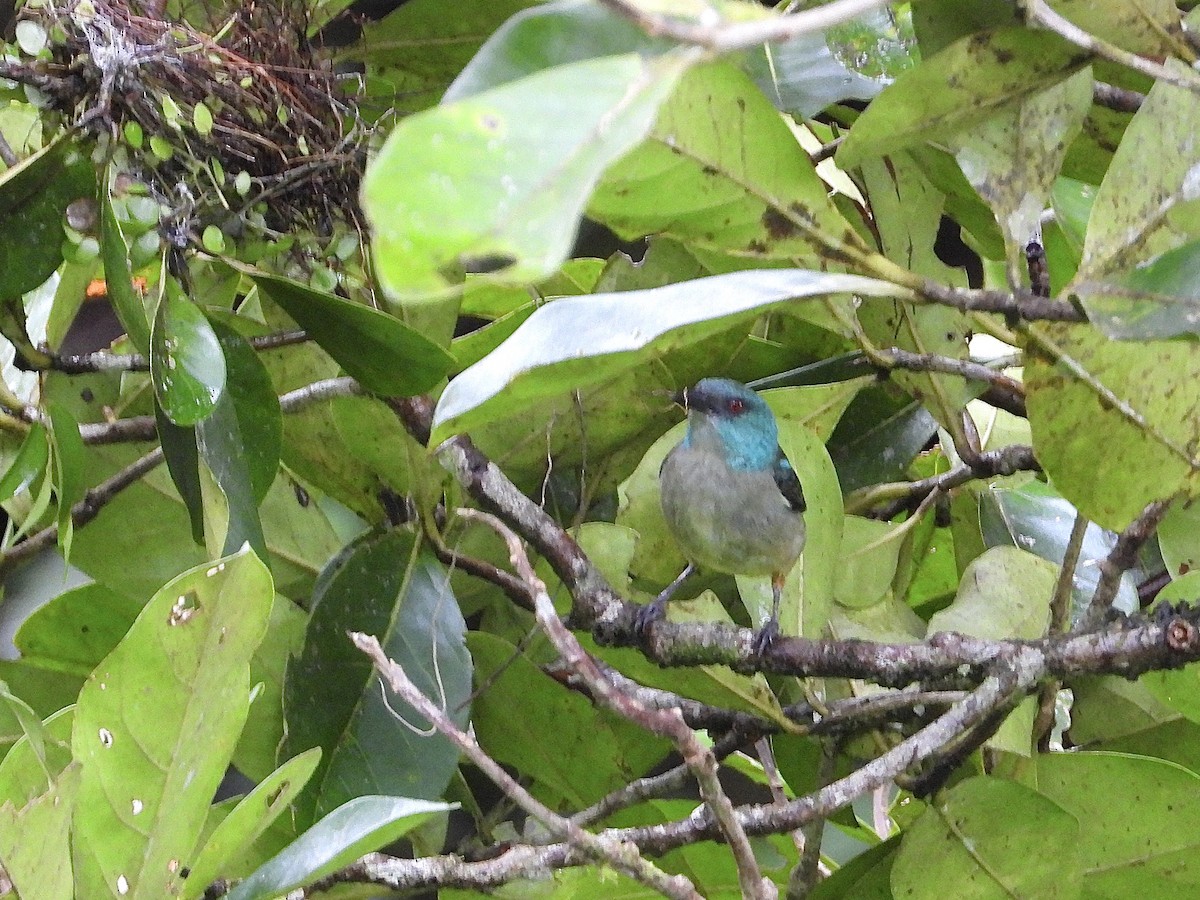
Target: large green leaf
[[959, 88], [1146, 204], [35, 845], [584, 341], [29, 463], [486, 184], [34, 196], [1144, 398], [1136, 837], [147, 780], [979, 832], [353, 829], [375, 744], [722, 172], [380, 351]]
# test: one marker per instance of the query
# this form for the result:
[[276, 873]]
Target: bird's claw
[[765, 637], [647, 615]]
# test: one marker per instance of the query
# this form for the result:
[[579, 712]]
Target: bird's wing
[[788, 482]]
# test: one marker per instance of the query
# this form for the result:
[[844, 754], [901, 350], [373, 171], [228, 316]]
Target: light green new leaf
[[35, 844], [1144, 397], [154, 749], [583, 341], [981, 834], [28, 464], [360, 826], [114, 252], [959, 88], [1005, 593], [250, 818], [69, 486], [1138, 837], [1146, 204], [499, 180]]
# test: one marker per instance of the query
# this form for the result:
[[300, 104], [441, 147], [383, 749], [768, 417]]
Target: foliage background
[[834, 204]]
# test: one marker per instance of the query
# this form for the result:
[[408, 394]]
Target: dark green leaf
[[380, 351], [183, 463], [360, 826], [33, 199], [186, 362], [331, 694], [256, 408], [220, 445]]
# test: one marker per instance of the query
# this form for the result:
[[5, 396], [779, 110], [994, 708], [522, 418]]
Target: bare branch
[[727, 37], [620, 854], [1122, 557]]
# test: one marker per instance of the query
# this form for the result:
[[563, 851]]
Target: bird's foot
[[765, 637], [652, 612]]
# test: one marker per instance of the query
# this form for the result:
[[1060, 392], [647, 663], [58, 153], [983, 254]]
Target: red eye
[[735, 406]]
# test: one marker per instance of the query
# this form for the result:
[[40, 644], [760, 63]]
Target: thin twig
[[1121, 558], [1060, 621], [807, 871], [621, 855], [1115, 98], [727, 37], [666, 723], [1038, 12], [86, 509], [899, 496]]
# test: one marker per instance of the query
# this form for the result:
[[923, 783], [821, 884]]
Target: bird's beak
[[681, 397]]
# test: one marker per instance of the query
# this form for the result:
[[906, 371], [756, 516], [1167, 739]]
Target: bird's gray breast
[[729, 520]]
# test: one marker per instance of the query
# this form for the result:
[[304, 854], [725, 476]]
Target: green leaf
[[183, 463], [584, 341], [868, 562], [1035, 518], [719, 144], [1178, 688], [1158, 300], [592, 751], [77, 629], [1013, 158], [186, 362], [36, 759], [29, 463], [332, 700], [959, 88], [1005, 593], [35, 845], [114, 251], [68, 455], [250, 818], [147, 781], [979, 832], [382, 353], [508, 195], [1136, 839], [34, 195], [1146, 204], [353, 829], [1144, 398]]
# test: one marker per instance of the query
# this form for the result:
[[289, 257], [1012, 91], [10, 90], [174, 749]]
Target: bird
[[730, 497]]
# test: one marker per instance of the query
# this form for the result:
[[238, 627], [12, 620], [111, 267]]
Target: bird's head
[[727, 416]]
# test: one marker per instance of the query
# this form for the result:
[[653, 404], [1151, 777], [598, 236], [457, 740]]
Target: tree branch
[[1121, 558]]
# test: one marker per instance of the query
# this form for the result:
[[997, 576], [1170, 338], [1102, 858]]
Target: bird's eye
[[735, 405]]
